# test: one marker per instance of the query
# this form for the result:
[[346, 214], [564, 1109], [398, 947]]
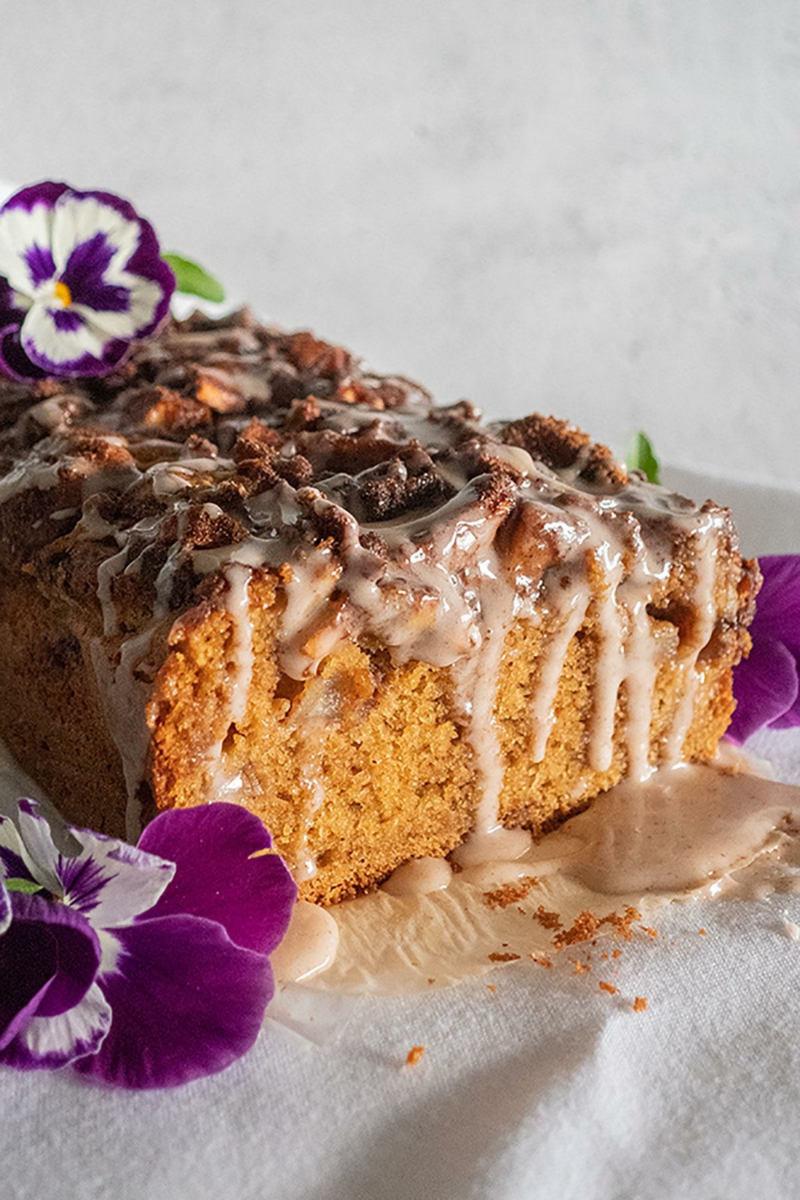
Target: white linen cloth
[[546, 1086]]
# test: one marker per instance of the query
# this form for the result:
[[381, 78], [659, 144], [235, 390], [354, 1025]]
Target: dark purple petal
[[778, 602], [14, 362], [12, 866], [46, 192], [75, 368], [10, 312], [77, 948], [50, 1042], [49, 957], [186, 1002], [19, 998], [83, 275], [766, 687], [791, 718], [217, 875], [40, 264]]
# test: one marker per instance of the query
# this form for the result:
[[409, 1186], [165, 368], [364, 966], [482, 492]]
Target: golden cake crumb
[[622, 925], [547, 919], [583, 929], [640, 1004], [541, 960], [607, 987], [510, 893], [414, 1055], [503, 956]]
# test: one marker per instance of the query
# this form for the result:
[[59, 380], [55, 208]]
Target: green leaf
[[641, 457], [193, 280], [29, 886]]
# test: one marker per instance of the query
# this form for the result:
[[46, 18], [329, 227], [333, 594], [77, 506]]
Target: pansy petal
[[134, 261], [26, 230], [143, 265], [76, 351], [49, 957], [12, 305], [778, 602], [5, 908], [108, 881], [766, 687], [18, 1009], [50, 1042], [14, 861], [28, 965], [186, 1003], [40, 850], [42, 929], [14, 362], [223, 873], [112, 882], [789, 719]]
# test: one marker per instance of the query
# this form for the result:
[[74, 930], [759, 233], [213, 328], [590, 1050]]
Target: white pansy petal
[[20, 230], [79, 218], [40, 850], [50, 1042], [41, 339], [110, 882], [5, 908], [145, 296]]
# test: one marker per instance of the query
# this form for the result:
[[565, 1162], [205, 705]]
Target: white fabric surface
[[545, 1087]]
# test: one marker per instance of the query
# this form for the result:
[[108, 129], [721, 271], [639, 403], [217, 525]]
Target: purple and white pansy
[[144, 967], [81, 279]]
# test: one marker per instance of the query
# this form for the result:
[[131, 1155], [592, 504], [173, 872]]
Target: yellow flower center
[[63, 294]]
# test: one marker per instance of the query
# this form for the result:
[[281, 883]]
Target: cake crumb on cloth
[[510, 893]]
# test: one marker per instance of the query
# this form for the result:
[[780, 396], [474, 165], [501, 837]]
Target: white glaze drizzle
[[704, 610], [572, 606], [224, 782]]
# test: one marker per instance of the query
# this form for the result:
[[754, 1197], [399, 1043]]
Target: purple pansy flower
[[767, 684], [144, 967], [81, 278]]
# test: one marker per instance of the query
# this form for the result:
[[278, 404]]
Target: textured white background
[[583, 207], [588, 208]]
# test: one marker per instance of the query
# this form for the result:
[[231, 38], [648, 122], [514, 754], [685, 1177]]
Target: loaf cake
[[243, 567]]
